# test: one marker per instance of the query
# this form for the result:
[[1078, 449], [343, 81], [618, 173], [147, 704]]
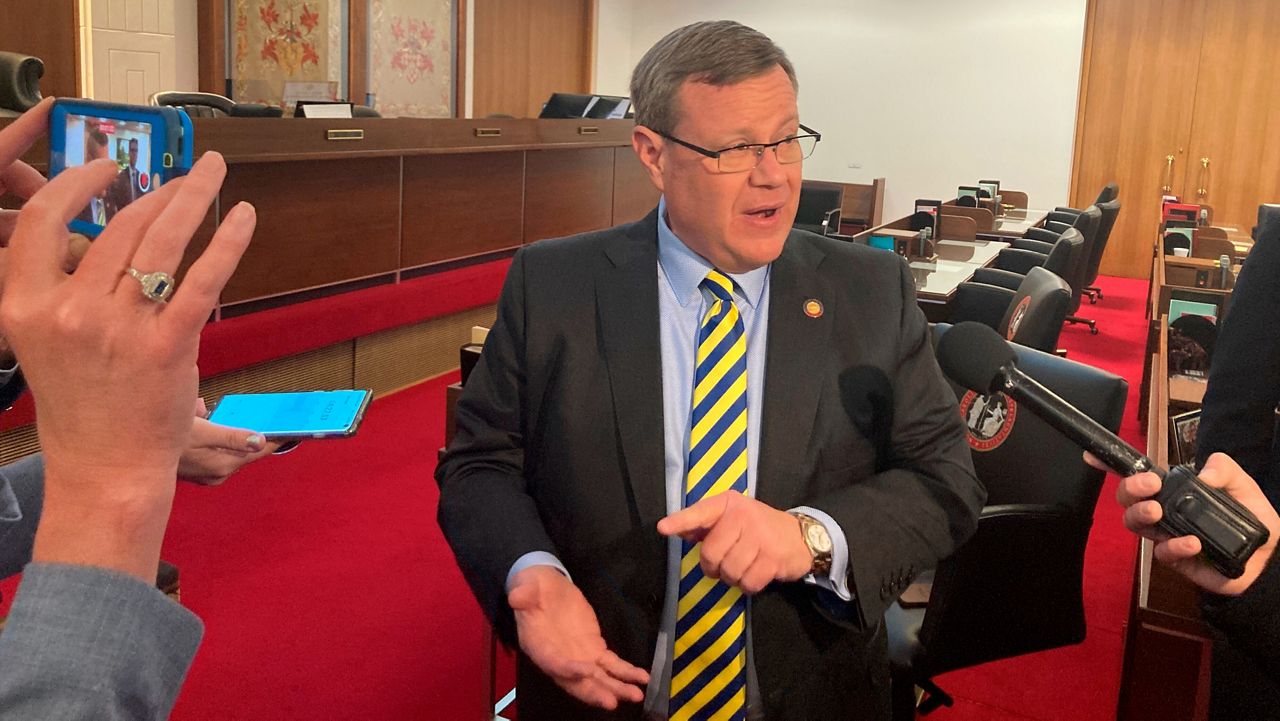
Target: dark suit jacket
[[559, 448]]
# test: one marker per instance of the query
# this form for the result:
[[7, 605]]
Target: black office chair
[[1031, 316], [1110, 193], [212, 105], [1087, 222], [1061, 257], [1266, 212], [19, 83], [819, 209], [1015, 587], [1110, 211]]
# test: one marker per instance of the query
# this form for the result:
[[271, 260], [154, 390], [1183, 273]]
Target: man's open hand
[[559, 632]]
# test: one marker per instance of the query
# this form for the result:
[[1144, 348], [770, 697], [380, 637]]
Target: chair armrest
[[980, 302], [1065, 209], [1042, 234], [1019, 261], [1038, 246], [1062, 216], [1057, 226], [997, 277]]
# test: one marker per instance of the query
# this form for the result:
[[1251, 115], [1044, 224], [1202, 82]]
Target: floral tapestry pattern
[[277, 41], [411, 58]]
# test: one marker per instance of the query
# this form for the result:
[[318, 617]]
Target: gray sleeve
[[21, 499], [87, 643]]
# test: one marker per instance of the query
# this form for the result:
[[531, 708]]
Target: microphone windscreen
[[972, 355]]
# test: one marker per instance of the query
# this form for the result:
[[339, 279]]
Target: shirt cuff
[[837, 581], [534, 558]]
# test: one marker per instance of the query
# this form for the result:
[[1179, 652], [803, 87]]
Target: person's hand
[[559, 632], [113, 372], [745, 543], [22, 180], [1220, 471], [214, 452]]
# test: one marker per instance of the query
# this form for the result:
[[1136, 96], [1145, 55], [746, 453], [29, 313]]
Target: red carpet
[[328, 592]]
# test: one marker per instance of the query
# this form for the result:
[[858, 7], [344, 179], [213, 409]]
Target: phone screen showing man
[[128, 143]]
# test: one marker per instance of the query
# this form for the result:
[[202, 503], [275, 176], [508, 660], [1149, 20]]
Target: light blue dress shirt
[[681, 305]]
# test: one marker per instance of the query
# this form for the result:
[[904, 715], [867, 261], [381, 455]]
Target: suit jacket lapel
[[627, 303], [797, 349]]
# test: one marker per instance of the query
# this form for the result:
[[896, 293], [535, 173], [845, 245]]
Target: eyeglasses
[[741, 158]]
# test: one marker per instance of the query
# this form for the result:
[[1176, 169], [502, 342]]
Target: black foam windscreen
[[972, 355]]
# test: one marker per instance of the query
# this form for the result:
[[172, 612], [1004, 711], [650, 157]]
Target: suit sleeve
[[486, 512], [1250, 621], [1239, 414], [21, 499], [86, 643], [924, 501]]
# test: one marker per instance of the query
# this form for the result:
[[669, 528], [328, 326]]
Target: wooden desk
[[958, 259], [407, 196], [1165, 672]]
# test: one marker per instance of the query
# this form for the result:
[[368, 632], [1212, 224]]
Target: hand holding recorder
[[1143, 513]]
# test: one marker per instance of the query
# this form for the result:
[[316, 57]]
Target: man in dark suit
[[702, 453], [127, 186]]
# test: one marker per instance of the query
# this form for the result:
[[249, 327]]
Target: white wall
[[929, 94]]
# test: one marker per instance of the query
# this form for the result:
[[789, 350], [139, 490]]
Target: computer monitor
[[566, 105], [607, 107]]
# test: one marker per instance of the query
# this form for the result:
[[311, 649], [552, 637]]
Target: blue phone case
[[171, 143]]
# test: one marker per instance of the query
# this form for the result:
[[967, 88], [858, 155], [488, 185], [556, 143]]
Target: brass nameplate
[[346, 134], [588, 130], [488, 132]]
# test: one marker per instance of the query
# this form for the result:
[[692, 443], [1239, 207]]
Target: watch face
[[818, 538]]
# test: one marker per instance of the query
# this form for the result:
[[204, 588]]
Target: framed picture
[[1184, 428]]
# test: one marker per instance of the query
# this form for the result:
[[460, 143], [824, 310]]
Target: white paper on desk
[[336, 110]]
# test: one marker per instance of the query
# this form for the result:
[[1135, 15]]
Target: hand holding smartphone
[[295, 416]]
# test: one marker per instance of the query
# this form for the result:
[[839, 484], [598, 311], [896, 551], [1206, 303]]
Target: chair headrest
[[20, 81]]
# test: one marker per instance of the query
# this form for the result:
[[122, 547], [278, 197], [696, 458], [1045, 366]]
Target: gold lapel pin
[[813, 308]]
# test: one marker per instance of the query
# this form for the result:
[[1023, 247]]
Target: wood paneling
[[460, 205], [1137, 105], [211, 35], [47, 29], [318, 223], [1237, 116], [633, 193], [524, 51], [567, 192]]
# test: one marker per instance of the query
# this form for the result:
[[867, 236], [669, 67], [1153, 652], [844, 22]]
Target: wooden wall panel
[[48, 30], [567, 192], [524, 51], [461, 205], [1237, 116], [319, 222], [1140, 75], [633, 193]]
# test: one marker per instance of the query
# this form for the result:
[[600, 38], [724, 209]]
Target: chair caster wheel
[[1093, 330]]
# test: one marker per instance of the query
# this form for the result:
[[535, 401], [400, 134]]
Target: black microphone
[[976, 357]]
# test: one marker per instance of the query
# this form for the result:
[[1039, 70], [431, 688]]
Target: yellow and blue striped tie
[[708, 670]]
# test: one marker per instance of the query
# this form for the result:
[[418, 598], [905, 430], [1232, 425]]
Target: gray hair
[[718, 52]]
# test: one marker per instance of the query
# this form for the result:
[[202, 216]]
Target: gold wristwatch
[[818, 540]]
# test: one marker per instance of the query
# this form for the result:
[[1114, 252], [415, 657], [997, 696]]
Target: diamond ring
[[157, 286]]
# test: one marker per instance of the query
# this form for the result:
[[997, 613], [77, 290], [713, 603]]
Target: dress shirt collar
[[685, 269]]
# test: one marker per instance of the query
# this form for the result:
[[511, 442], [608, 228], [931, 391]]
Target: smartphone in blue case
[[150, 144]]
